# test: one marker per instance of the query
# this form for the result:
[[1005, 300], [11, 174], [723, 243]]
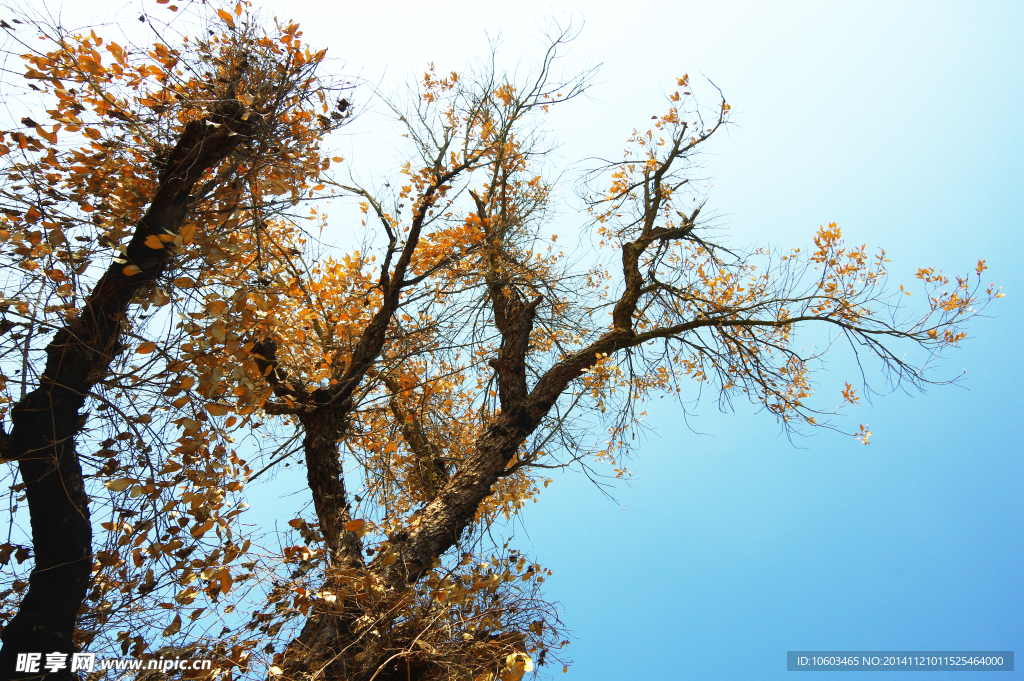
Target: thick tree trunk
[[326, 481], [46, 422], [321, 647]]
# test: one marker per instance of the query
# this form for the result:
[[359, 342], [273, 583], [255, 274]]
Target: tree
[[198, 133], [472, 358]]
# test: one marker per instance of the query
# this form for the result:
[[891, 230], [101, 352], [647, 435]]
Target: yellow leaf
[[184, 282], [188, 232], [130, 270], [389, 558], [119, 485], [518, 664], [146, 348], [154, 242], [186, 595], [354, 525], [228, 19], [174, 626], [199, 530]]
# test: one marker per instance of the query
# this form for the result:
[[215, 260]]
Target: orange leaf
[[225, 580], [228, 19], [199, 530], [146, 348], [216, 409], [153, 241]]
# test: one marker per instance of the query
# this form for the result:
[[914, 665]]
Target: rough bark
[[326, 481], [46, 422], [322, 648]]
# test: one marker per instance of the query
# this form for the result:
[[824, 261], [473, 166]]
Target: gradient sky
[[902, 122]]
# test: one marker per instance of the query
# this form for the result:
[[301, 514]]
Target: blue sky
[[902, 122]]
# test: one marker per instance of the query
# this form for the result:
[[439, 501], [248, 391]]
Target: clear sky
[[901, 121]]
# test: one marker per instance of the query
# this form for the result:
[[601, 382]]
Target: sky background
[[902, 122]]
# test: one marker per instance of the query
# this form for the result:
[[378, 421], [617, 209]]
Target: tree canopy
[[176, 326]]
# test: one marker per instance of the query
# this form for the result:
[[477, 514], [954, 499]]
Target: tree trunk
[[321, 648], [326, 481]]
